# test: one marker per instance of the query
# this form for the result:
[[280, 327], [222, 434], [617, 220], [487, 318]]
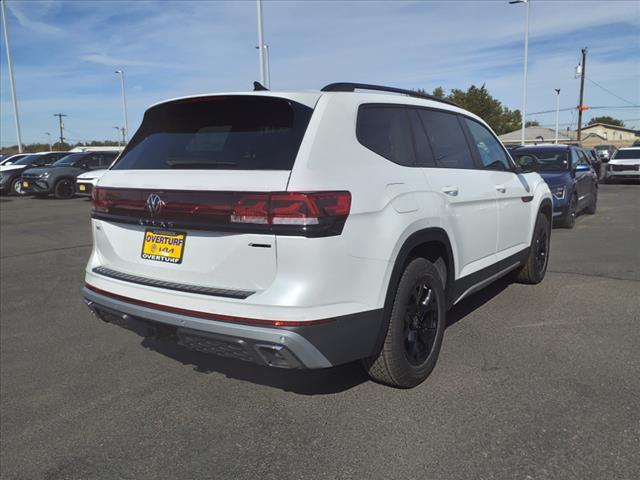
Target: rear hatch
[[184, 204]]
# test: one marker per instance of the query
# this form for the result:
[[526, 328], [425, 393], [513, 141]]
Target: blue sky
[[65, 53]]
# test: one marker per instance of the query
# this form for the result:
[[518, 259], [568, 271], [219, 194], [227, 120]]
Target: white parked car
[[625, 164], [85, 182], [311, 229], [10, 159]]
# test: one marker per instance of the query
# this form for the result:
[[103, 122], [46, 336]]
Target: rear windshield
[[226, 132], [627, 154]]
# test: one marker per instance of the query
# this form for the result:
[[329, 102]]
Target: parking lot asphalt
[[533, 382]]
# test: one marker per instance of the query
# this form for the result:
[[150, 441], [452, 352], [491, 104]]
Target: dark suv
[[571, 178], [59, 178], [10, 181]]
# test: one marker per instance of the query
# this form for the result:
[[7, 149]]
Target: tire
[[16, 187], [64, 189], [535, 267], [569, 218], [593, 206], [416, 328]]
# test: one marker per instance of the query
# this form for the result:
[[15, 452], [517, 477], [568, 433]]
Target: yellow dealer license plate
[[163, 245], [82, 188]]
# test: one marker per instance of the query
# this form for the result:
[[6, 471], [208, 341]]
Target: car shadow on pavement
[[475, 301], [303, 382]]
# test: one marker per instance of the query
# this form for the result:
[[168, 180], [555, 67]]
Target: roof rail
[[350, 87]]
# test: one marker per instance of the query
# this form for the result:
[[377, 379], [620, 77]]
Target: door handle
[[501, 189], [450, 190]]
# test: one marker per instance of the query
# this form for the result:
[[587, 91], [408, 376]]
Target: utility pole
[[581, 106], [557, 111], [12, 81], [60, 115]]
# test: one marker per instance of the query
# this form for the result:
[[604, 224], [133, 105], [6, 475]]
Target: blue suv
[[571, 178]]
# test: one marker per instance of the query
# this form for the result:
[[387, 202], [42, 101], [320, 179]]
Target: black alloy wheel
[[541, 250], [421, 323], [64, 189], [417, 320], [569, 219], [534, 267]]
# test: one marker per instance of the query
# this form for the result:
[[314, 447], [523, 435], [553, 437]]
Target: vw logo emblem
[[154, 204]]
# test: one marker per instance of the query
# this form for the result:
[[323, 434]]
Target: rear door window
[[385, 130], [235, 132], [447, 139]]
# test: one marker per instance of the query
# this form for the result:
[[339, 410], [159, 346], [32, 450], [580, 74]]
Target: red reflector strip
[[207, 315]]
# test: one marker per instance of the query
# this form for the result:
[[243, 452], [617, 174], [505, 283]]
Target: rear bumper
[[341, 340]]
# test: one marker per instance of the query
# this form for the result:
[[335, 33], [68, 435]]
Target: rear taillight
[[312, 214]]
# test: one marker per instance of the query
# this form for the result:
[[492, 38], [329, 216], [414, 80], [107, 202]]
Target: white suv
[[624, 165], [311, 229]]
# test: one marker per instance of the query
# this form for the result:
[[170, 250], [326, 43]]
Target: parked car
[[85, 182], [636, 143], [625, 164], [9, 159], [594, 160], [571, 178], [605, 152], [59, 178], [10, 181], [311, 229]]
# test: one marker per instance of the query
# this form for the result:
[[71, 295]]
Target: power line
[[590, 108], [609, 91]]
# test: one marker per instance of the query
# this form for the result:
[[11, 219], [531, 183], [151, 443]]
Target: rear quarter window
[[234, 132], [385, 130]]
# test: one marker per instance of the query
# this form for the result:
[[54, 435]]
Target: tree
[[479, 101], [532, 123], [606, 119], [438, 92]]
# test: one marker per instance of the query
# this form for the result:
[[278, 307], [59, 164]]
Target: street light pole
[[50, 144], [12, 81], [118, 130], [124, 105], [267, 67], [261, 46], [526, 55], [557, 111]]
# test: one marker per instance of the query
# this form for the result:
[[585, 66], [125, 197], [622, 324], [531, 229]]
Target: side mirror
[[582, 167]]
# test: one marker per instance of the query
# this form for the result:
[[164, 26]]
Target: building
[[592, 135], [613, 134], [535, 135]]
